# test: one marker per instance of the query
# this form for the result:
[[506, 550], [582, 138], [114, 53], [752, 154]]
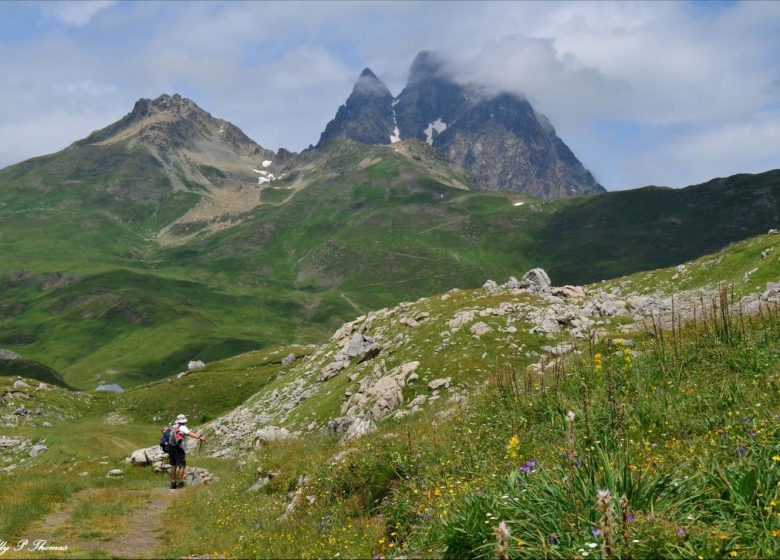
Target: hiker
[[176, 449]]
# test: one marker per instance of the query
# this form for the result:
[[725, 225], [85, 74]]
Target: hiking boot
[[173, 486], [180, 484]]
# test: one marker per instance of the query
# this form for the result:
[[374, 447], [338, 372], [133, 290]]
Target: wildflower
[[776, 457], [681, 532], [595, 532], [741, 450], [512, 447], [529, 466], [733, 554], [502, 541], [624, 516], [597, 362], [627, 357], [775, 533], [553, 538], [606, 522]]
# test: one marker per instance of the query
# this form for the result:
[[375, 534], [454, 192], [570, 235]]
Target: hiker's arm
[[196, 436]]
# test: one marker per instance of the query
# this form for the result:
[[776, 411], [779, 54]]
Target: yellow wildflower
[[733, 554], [512, 447], [776, 457]]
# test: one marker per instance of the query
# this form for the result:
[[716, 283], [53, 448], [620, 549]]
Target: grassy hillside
[[684, 425], [89, 289]]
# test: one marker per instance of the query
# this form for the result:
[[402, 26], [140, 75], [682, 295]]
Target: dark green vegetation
[[88, 289]]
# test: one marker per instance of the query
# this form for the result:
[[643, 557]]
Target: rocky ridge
[[393, 362]]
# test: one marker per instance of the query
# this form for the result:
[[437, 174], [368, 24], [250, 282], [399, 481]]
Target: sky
[[663, 93]]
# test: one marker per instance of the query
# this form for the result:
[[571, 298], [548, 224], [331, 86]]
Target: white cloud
[[673, 73], [75, 12]]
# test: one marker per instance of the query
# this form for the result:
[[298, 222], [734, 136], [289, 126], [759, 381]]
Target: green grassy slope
[[372, 227]]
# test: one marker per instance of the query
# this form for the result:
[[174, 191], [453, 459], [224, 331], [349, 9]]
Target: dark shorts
[[178, 458]]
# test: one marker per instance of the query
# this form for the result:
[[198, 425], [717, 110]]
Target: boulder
[[491, 287], [409, 368], [147, 456], [513, 284], [339, 426], [409, 322], [536, 280], [288, 359], [19, 385], [268, 434], [569, 292], [9, 355], [37, 449], [441, 383], [460, 319], [196, 476], [195, 365], [332, 369], [479, 329], [361, 426], [387, 394], [115, 473]]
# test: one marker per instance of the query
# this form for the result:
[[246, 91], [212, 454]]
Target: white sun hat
[[181, 419]]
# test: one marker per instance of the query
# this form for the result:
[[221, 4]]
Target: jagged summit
[[366, 117], [497, 137], [368, 84]]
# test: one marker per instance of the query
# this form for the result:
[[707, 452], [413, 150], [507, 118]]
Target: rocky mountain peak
[[366, 117], [426, 65]]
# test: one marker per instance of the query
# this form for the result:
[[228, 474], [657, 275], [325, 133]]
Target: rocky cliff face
[[366, 117], [498, 138]]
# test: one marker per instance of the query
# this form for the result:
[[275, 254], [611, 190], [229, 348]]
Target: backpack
[[165, 439], [171, 439]]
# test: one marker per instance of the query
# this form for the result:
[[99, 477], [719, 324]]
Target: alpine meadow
[[433, 332]]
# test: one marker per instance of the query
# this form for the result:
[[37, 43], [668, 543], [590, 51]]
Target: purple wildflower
[[747, 420], [596, 532], [681, 532], [741, 450], [578, 462], [631, 517], [529, 466], [553, 538]]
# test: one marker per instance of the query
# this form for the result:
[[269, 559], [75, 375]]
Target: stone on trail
[[147, 456], [115, 473]]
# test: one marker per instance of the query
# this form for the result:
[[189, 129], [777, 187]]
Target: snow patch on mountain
[[396, 135], [264, 176], [438, 125], [267, 162]]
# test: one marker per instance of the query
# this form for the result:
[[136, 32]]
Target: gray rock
[[491, 287], [9, 355], [22, 411], [441, 383], [332, 369], [195, 365], [46, 425], [569, 292], [536, 280], [19, 385], [269, 434], [288, 359], [513, 284], [115, 473], [460, 319], [361, 426], [195, 476], [560, 349], [147, 456], [479, 329], [340, 425], [37, 449]]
